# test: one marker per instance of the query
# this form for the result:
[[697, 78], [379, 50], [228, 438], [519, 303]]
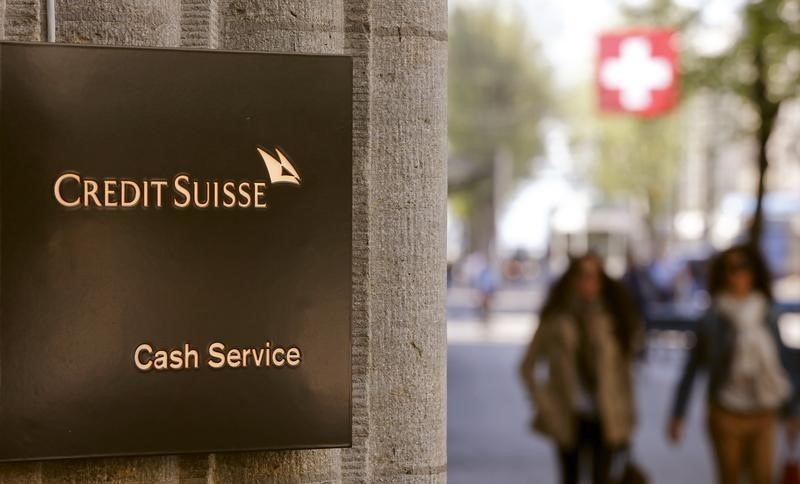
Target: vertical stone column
[[399, 189], [200, 23], [2, 19], [119, 22], [22, 20], [407, 210], [310, 26], [355, 461]]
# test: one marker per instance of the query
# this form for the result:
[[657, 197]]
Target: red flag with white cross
[[637, 71]]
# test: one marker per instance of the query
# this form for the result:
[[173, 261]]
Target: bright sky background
[[567, 29]]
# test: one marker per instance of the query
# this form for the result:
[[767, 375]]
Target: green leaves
[[499, 90]]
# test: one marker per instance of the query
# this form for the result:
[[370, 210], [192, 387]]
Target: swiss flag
[[637, 71]]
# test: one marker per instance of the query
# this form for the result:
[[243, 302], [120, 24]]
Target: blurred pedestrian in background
[[750, 381], [486, 283], [577, 369], [482, 276]]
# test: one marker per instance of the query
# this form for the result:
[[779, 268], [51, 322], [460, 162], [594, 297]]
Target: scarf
[[757, 379]]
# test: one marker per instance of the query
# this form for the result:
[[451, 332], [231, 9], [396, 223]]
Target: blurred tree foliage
[[639, 158], [499, 90], [761, 66], [629, 158]]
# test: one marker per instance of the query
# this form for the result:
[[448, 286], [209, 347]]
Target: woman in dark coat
[[750, 382]]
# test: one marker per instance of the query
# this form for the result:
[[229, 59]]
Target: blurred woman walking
[[750, 384], [577, 369]]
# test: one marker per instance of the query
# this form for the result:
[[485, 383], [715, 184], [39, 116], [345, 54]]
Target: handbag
[[633, 474], [624, 470], [791, 468]]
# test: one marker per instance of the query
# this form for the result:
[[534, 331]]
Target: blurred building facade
[[715, 195]]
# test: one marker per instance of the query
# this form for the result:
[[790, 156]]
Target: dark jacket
[[713, 351]]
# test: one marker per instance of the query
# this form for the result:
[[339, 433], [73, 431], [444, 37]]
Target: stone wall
[[399, 54]]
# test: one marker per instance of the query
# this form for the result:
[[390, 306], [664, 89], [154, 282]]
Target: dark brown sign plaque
[[175, 258]]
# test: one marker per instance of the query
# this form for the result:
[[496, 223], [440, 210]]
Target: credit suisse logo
[[183, 191]]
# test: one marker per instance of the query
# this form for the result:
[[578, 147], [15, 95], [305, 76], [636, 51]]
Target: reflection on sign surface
[[175, 253]]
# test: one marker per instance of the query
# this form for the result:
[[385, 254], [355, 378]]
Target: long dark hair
[[755, 264], [615, 297]]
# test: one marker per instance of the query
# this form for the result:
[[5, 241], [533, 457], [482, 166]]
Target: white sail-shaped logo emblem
[[280, 170]]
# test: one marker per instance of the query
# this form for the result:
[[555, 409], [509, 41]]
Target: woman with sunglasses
[[750, 382]]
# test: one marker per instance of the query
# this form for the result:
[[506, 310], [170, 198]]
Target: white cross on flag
[[637, 71]]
